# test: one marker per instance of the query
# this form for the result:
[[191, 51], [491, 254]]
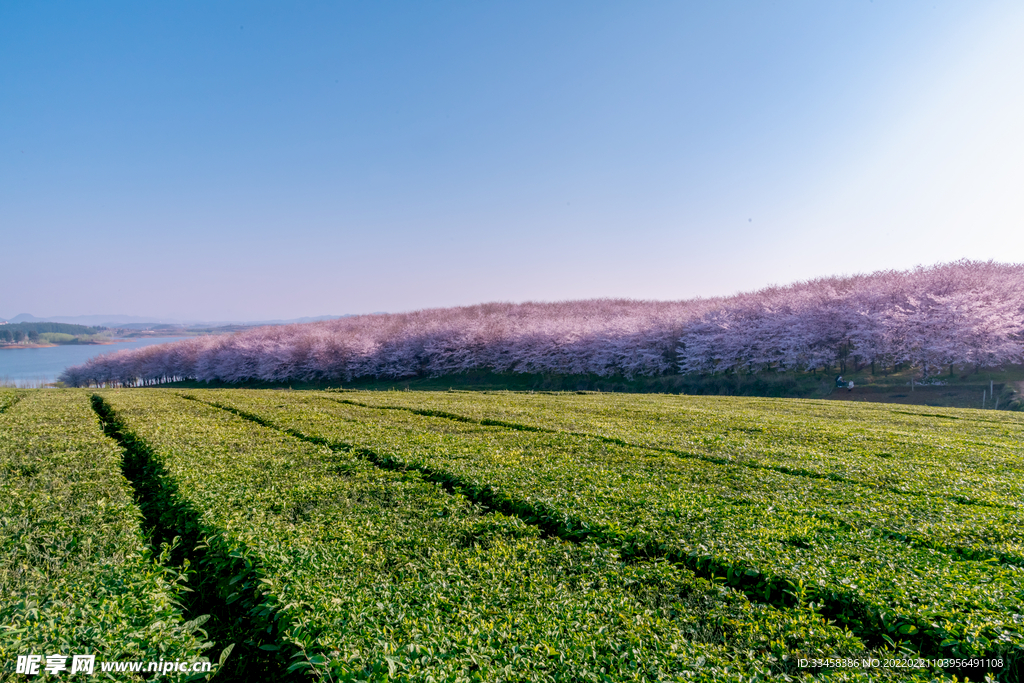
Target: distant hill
[[135, 322], [87, 320], [59, 328], [12, 333]]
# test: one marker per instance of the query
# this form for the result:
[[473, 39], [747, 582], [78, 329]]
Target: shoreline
[[53, 346], [109, 342]]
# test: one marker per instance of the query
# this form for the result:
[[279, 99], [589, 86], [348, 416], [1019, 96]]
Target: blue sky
[[274, 160]]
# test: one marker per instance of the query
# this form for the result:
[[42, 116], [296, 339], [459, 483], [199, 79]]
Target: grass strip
[[381, 575], [639, 502], [8, 398], [168, 518], [967, 531], [76, 576], [976, 458]]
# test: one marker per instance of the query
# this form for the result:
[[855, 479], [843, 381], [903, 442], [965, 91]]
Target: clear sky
[[230, 160]]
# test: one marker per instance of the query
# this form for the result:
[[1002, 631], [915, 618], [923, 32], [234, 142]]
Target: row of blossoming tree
[[963, 314]]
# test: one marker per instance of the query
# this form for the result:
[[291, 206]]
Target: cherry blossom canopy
[[966, 313]]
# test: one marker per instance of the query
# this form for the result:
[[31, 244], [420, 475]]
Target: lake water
[[33, 367]]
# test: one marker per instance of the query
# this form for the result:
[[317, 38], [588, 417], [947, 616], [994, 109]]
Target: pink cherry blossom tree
[[966, 313]]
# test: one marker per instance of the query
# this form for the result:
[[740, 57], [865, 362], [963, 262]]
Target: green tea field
[[500, 536]]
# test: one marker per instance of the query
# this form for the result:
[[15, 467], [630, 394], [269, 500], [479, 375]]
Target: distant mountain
[[141, 323], [111, 320]]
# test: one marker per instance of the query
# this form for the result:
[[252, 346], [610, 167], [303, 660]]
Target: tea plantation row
[[365, 573], [946, 576], [509, 537], [75, 574], [966, 455]]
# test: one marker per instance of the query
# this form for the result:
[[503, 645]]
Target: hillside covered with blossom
[[965, 314]]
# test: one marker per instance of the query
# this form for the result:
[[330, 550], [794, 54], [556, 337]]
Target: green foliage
[[57, 337], [965, 455], [870, 544], [52, 333], [8, 397], [61, 328], [398, 536], [354, 571], [75, 574]]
